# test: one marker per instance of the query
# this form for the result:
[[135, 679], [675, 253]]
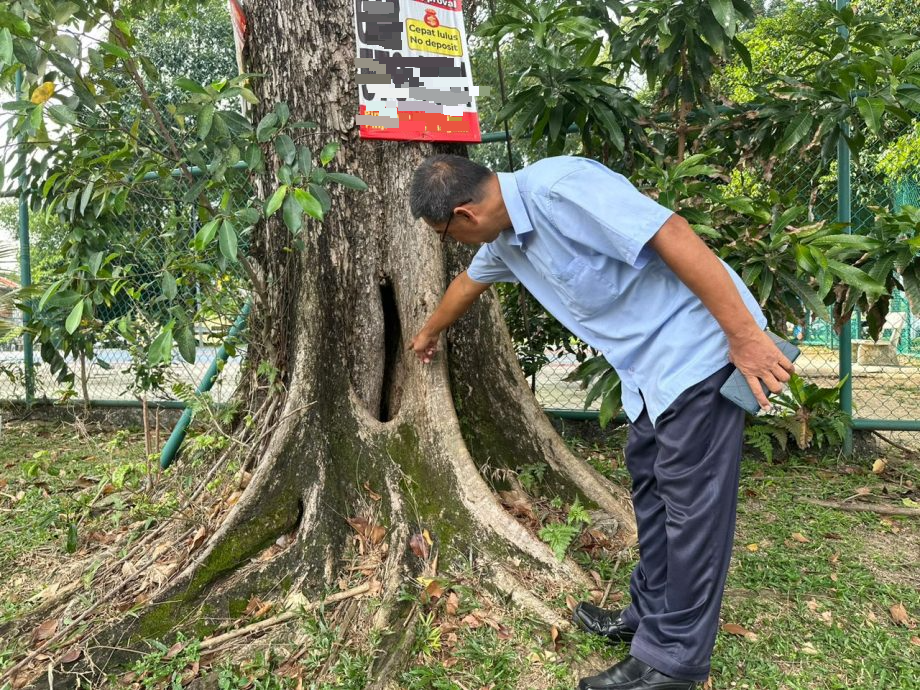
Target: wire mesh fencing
[[156, 278], [160, 278]]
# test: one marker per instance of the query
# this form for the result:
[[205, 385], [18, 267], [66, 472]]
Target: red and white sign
[[414, 76]]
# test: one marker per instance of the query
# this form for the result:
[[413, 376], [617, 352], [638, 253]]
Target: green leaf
[[328, 152], [321, 195], [724, 13], [71, 545], [191, 85], [713, 32], [226, 239], [74, 318], [86, 196], [185, 340], [347, 180], [304, 160], [795, 132], [249, 215], [168, 285], [160, 351], [62, 114], [292, 212], [16, 24], [871, 109], [856, 278], [116, 50], [253, 157], [610, 405], [204, 236], [68, 45], [6, 47], [267, 126], [309, 204], [274, 203], [285, 148], [49, 293], [205, 120]]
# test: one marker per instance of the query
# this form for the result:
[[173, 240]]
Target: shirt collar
[[511, 195]]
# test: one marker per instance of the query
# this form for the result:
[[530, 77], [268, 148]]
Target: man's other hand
[[424, 345], [759, 359]]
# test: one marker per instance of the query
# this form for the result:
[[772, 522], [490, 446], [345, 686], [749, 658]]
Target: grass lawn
[[817, 598]]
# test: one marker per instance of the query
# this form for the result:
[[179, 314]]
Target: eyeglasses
[[444, 233]]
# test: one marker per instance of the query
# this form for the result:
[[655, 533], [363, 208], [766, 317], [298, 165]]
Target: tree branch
[[862, 507]]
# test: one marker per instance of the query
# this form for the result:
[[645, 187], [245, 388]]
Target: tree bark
[[362, 429]]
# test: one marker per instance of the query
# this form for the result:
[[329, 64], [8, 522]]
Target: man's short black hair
[[443, 182]]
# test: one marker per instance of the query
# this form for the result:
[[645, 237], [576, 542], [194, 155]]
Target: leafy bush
[[807, 414]]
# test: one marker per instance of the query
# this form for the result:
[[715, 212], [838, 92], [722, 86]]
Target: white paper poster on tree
[[414, 75]]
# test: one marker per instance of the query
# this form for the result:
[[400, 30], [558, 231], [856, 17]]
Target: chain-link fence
[[885, 373], [156, 278]]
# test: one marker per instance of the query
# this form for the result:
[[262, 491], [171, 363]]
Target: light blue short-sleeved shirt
[[578, 243]]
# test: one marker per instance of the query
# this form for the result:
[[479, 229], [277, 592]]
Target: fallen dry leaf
[[752, 547], [128, 569], [71, 655], [809, 648], [801, 538], [471, 620], [554, 636], [434, 589], [915, 641], [453, 604], [863, 491], [254, 605], [44, 630], [879, 466], [174, 650], [570, 602], [198, 538], [419, 546], [377, 534], [735, 629], [370, 492], [899, 615]]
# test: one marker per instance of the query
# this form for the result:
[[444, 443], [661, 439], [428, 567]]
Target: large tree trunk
[[361, 429]]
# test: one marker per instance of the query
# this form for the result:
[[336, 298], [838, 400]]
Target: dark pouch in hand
[[736, 388]]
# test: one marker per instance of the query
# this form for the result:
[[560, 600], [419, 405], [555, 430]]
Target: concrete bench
[[882, 352]]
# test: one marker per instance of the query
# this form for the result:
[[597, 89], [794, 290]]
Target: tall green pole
[[171, 449], [844, 214], [25, 262]]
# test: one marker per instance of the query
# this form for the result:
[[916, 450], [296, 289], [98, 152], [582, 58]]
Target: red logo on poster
[[431, 19]]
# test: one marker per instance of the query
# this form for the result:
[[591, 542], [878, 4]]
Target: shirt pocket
[[584, 290]]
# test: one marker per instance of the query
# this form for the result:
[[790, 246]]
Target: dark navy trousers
[[685, 492]]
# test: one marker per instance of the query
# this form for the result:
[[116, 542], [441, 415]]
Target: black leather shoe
[[632, 674], [609, 624]]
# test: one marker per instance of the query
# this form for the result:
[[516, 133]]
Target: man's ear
[[467, 213]]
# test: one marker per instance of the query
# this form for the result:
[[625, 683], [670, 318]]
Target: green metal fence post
[[25, 265], [171, 449], [844, 214]]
